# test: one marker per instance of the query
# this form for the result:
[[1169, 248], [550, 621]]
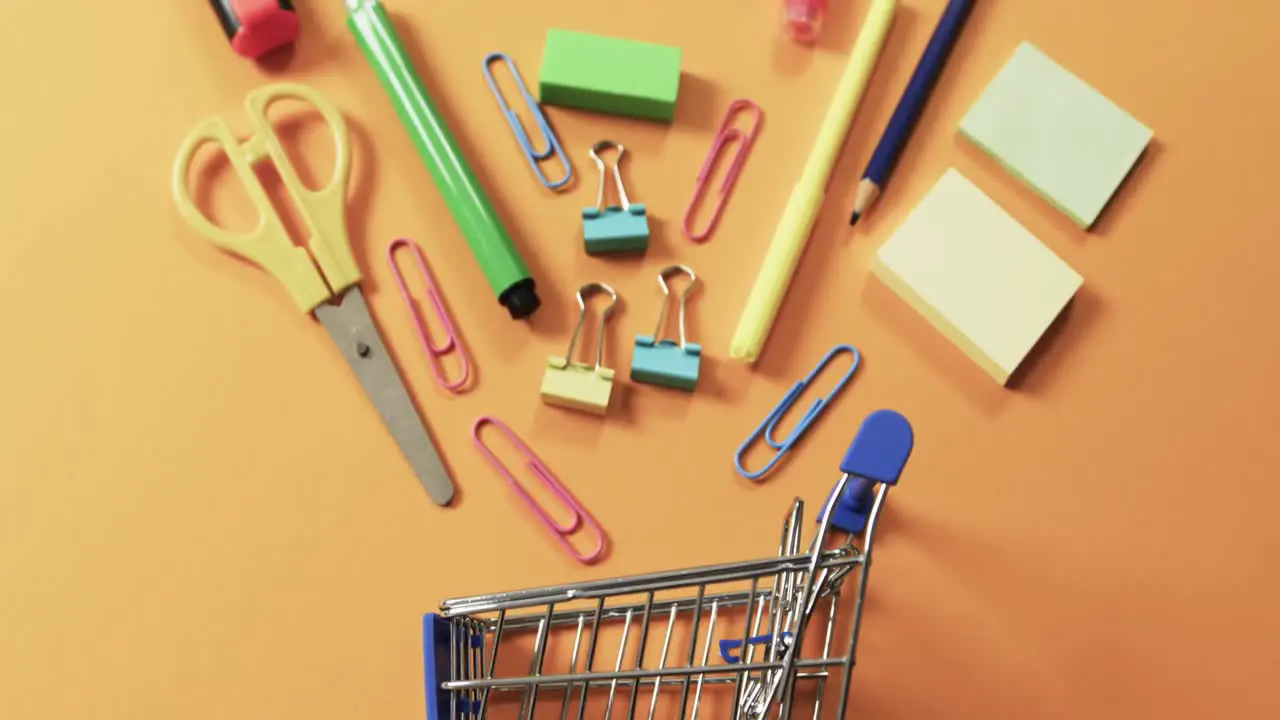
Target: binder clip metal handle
[[666, 295], [583, 292], [663, 362], [604, 173]]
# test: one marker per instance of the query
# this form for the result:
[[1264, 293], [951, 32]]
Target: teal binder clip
[[663, 362], [614, 229]]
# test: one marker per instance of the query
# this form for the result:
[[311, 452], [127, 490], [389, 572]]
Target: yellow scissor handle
[[323, 211]]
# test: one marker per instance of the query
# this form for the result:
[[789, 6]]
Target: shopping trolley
[[740, 640]]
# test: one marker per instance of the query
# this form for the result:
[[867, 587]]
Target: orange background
[[202, 517]]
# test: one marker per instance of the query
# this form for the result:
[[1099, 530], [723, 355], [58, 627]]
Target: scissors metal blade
[[351, 326]]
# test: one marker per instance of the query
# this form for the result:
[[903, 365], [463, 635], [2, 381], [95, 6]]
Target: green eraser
[[610, 75]]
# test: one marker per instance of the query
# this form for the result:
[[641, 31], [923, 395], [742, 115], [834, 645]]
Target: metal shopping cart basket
[[741, 640]]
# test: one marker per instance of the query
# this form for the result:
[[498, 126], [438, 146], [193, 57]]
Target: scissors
[[323, 278]]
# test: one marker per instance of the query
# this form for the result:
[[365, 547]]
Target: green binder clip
[[663, 362], [614, 229]]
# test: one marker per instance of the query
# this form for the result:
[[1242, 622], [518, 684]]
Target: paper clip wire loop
[[666, 295], [452, 342], [767, 428], [539, 117], [726, 134], [582, 320], [579, 514], [604, 173]]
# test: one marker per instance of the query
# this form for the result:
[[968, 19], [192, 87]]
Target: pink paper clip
[[451, 343], [724, 135], [543, 474]]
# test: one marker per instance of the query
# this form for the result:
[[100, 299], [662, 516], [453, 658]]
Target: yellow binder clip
[[575, 385]]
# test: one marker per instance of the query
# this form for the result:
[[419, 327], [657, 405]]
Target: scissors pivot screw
[[363, 350]]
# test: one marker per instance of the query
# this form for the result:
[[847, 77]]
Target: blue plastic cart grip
[[878, 454], [881, 448]]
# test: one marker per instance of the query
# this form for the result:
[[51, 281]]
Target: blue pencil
[[910, 106]]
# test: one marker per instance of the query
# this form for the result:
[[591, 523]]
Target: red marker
[[256, 27]]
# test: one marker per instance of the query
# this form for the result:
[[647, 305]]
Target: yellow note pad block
[[577, 386], [976, 274]]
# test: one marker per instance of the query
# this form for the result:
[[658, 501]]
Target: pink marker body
[[803, 19]]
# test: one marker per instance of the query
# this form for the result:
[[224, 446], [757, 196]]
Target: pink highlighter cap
[[803, 19], [263, 29]]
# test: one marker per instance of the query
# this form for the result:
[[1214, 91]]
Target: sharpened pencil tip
[[854, 219]]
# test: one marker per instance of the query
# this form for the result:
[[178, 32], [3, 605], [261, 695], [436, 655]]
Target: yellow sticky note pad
[[976, 274]]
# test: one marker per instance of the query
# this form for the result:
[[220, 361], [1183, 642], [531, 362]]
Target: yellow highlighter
[[797, 218]]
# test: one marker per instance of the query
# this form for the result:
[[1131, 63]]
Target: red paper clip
[[724, 135], [579, 514], [451, 343]]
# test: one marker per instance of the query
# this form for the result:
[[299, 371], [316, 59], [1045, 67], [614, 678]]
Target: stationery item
[[905, 116], [256, 27], [878, 455], [803, 19], [977, 275], [614, 228], [610, 75], [725, 135], [579, 516], [769, 427], [1055, 133], [470, 207], [663, 362], [452, 343], [322, 278], [539, 117], [575, 385], [802, 208]]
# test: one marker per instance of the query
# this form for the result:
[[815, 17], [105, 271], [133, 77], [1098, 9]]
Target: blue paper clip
[[539, 117], [612, 229], [767, 428], [663, 362]]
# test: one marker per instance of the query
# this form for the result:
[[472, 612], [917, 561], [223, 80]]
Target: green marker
[[490, 243]]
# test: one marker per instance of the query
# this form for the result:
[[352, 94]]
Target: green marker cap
[[521, 299]]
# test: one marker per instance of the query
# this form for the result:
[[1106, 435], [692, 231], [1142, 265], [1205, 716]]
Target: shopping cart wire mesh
[[741, 640]]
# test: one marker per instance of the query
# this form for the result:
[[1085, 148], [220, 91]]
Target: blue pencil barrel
[[918, 89]]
